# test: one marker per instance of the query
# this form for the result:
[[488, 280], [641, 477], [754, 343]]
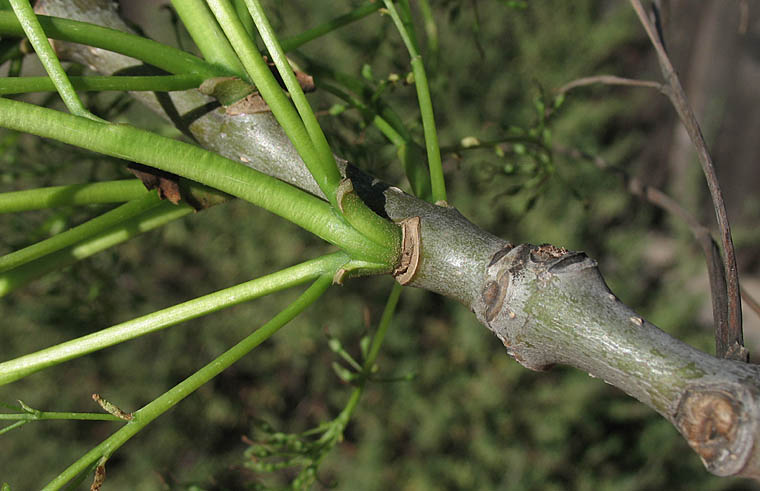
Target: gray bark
[[547, 305]]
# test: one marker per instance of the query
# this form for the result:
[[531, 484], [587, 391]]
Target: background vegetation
[[471, 418]]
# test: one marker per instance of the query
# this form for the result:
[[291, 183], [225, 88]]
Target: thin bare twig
[[728, 337], [659, 23], [743, 17], [751, 302], [703, 236], [611, 80]]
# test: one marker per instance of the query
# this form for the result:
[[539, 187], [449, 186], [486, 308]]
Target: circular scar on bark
[[710, 421], [411, 245]]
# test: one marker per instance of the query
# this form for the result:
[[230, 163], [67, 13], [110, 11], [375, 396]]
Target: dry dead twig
[[729, 339]]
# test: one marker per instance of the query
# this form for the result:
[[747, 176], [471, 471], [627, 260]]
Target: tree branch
[[611, 80], [546, 304], [636, 187], [729, 339]]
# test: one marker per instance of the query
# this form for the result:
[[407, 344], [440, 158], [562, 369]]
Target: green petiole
[[409, 152], [72, 195], [207, 35], [25, 365], [172, 60], [324, 168], [405, 27], [45, 53], [197, 164], [294, 42], [152, 83], [159, 215], [170, 398], [325, 172], [245, 17], [277, 55], [56, 415], [79, 233]]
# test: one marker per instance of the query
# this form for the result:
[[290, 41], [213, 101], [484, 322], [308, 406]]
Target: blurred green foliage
[[471, 418]]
